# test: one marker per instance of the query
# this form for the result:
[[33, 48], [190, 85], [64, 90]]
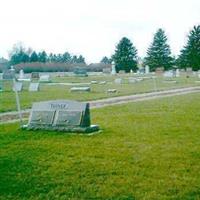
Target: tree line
[[19, 54], [125, 56], [158, 54]]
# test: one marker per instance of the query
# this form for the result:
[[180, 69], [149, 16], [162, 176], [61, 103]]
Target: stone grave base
[[90, 129]]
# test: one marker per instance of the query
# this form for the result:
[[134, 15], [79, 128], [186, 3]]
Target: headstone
[[159, 70], [61, 115], [8, 74], [106, 70], [94, 82], [44, 78], [122, 72], [147, 69], [118, 81], [80, 89], [132, 80], [102, 82], [177, 73], [113, 71], [170, 81], [21, 74], [81, 72], [33, 87], [111, 90], [35, 75], [168, 74], [18, 86]]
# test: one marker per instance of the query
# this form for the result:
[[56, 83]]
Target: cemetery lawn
[[146, 150], [98, 91]]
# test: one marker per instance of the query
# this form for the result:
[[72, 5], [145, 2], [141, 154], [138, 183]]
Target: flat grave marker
[[80, 89]]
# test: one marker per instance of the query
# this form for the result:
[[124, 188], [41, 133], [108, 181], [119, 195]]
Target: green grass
[[7, 98], [146, 150]]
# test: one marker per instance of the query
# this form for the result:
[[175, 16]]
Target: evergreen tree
[[42, 57], [74, 59], [106, 60], [34, 57], [159, 53], [125, 56], [190, 54], [66, 57], [80, 59]]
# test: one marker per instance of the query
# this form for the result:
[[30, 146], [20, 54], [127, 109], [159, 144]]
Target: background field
[[146, 150], [47, 92]]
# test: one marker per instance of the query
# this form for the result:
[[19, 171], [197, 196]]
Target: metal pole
[[154, 83], [17, 102]]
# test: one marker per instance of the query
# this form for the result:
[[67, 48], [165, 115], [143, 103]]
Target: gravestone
[[21, 74], [147, 69], [177, 73], [118, 81], [113, 71], [122, 72], [106, 70], [80, 89], [94, 82], [8, 74], [168, 74], [61, 115], [45, 78], [132, 80], [18, 86], [111, 91], [102, 82], [80, 72], [33, 87], [35, 75]]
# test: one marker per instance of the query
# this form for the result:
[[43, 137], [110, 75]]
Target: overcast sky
[[94, 27]]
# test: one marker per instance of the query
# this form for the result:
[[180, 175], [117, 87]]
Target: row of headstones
[[33, 87]]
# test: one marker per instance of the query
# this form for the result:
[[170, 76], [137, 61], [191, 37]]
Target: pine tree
[[125, 56], [106, 60], [190, 54], [42, 57], [34, 57], [159, 53]]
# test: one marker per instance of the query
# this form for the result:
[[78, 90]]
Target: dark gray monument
[[33, 87], [35, 75], [61, 115], [80, 71], [18, 86]]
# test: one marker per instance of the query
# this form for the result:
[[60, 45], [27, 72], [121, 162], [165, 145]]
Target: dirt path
[[9, 117]]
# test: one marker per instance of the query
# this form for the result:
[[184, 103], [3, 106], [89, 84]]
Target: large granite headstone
[[18, 86], [61, 115], [33, 87]]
